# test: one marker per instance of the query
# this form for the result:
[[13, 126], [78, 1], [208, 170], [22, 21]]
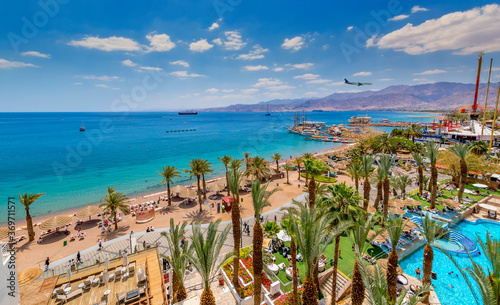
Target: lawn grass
[[321, 178]]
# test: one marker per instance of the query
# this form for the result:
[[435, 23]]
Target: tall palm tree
[[311, 226], [355, 170], [420, 169], [479, 148], [260, 200], [431, 153], [195, 170], [385, 144], [315, 168], [247, 160], [286, 224], [432, 230], [206, 253], [259, 168], [206, 170], [379, 178], [395, 227], [425, 182], [384, 165], [115, 201], [358, 235], [413, 131], [287, 169], [366, 165], [168, 173], [234, 182], [226, 160], [178, 258], [235, 164], [403, 182], [461, 151], [26, 201], [276, 158], [298, 163], [307, 156]]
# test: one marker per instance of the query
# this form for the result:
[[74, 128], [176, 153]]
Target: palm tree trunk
[[316, 274], [366, 193], [335, 265], [29, 224], [181, 293], [287, 179], [235, 217], [427, 266], [277, 166], [309, 292], [420, 180], [307, 176], [463, 179], [207, 297], [434, 176], [358, 288], [116, 222], [295, 282], [175, 287], [204, 187], [257, 262], [386, 200], [227, 183], [392, 275], [168, 194], [298, 168], [379, 195], [356, 181], [312, 192], [199, 193]]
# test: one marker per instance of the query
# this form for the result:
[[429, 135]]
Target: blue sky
[[67, 55]]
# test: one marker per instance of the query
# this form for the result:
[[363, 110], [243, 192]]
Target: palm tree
[[366, 165], [276, 158], [413, 131], [168, 173], [207, 252], [384, 165], [379, 178], [206, 170], [479, 148], [432, 230], [115, 201], [234, 182], [356, 172], [305, 157], [315, 168], [260, 200], [461, 151], [287, 169], [27, 200], [395, 227], [226, 160], [403, 182], [286, 224], [178, 258], [236, 164], [358, 235], [247, 160], [298, 163], [385, 144], [420, 163], [431, 153], [259, 169], [195, 170], [425, 182]]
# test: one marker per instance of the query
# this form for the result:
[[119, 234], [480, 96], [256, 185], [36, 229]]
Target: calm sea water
[[46, 152]]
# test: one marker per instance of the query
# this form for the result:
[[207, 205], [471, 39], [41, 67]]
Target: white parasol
[[480, 185], [488, 206]]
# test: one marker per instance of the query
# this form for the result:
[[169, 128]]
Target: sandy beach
[[33, 254]]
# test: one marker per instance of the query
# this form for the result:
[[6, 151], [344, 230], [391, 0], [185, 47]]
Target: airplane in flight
[[355, 83]]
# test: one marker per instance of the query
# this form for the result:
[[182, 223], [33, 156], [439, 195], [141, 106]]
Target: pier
[[389, 124]]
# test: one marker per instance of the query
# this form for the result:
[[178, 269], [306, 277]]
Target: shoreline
[[135, 197]]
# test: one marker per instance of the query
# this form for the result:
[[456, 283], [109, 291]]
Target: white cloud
[[430, 72], [256, 53], [142, 69], [399, 17], [112, 43], [128, 63], [272, 84], [35, 54], [385, 79], [463, 32], [278, 69], [249, 91], [217, 41], [349, 28], [304, 66], [212, 90], [227, 90], [423, 80], [185, 74], [319, 81], [325, 47], [201, 45], [363, 73], [5, 64], [159, 43], [311, 93], [103, 78], [233, 41], [417, 8], [307, 76], [294, 44], [106, 86], [492, 69], [214, 26], [180, 63], [255, 68]]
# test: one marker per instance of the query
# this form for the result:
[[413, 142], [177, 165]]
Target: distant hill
[[437, 96]]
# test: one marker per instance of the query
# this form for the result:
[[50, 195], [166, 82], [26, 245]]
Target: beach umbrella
[[187, 193], [379, 239], [397, 211], [411, 201], [88, 211], [105, 277], [283, 236], [469, 192], [68, 274], [106, 262], [397, 203], [4, 233], [216, 187], [371, 210], [480, 185], [125, 259], [410, 225], [450, 203], [141, 275], [55, 222], [384, 262], [488, 206], [177, 189]]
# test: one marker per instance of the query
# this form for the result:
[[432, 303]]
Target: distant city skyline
[[61, 55]]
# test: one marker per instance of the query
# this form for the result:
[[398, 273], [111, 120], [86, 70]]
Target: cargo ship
[[191, 112]]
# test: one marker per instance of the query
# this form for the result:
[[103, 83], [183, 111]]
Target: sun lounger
[[73, 294], [82, 236], [88, 282], [120, 297], [131, 268], [118, 273]]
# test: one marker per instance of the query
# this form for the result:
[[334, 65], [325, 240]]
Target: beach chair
[[111, 277], [118, 273], [120, 297], [82, 236], [73, 294], [73, 238], [131, 268], [88, 282]]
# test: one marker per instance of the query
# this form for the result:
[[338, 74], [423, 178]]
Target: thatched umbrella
[[177, 189], [450, 203], [384, 262], [89, 211], [55, 222], [410, 225], [397, 203], [379, 239], [411, 201], [397, 211], [216, 187], [371, 210], [4, 233], [187, 193]]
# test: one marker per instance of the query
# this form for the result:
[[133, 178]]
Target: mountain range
[[435, 96]]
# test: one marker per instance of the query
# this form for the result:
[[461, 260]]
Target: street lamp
[[130, 236]]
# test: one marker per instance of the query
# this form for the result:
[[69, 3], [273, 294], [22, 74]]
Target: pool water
[[460, 294]]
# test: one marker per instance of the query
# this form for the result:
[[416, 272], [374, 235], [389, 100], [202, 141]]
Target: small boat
[[189, 112], [345, 141], [267, 113], [82, 128], [336, 140]]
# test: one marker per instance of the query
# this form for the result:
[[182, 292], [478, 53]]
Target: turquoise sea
[[46, 152]]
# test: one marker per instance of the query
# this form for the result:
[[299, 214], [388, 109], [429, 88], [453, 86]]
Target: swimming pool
[[460, 294]]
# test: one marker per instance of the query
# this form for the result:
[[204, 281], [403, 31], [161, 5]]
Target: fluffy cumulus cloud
[[201, 45], [304, 66], [296, 43], [35, 54], [128, 63], [430, 72], [278, 69], [212, 90], [349, 28], [399, 17], [417, 9], [272, 84], [255, 68], [185, 74], [104, 78], [232, 42], [256, 53], [463, 32], [362, 73], [109, 44], [214, 26], [180, 63], [6, 64], [307, 76], [159, 42]]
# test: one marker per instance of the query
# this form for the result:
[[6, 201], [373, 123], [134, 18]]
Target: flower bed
[[286, 298], [266, 281], [243, 274]]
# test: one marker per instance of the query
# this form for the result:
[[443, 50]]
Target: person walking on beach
[[47, 263], [78, 257]]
